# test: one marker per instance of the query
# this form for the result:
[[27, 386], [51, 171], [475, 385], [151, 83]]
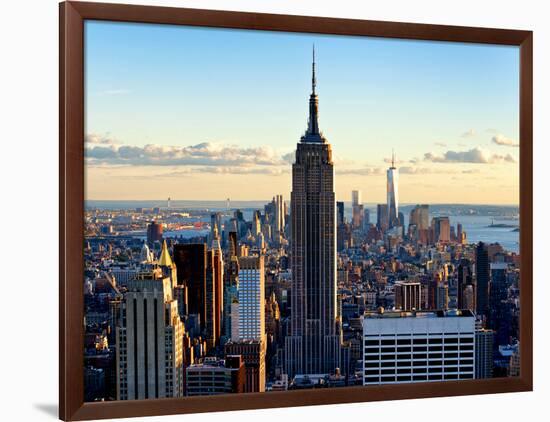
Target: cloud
[[273, 171], [504, 141], [469, 133], [364, 171], [475, 155], [440, 144], [203, 154], [491, 130], [97, 139], [389, 161]]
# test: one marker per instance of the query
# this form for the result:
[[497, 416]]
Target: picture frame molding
[[71, 207]]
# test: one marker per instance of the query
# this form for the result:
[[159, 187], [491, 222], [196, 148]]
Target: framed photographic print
[[267, 210]]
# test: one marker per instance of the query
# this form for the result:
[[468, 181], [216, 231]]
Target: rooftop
[[381, 313]]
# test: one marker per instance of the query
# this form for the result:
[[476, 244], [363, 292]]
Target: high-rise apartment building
[[313, 345], [418, 346]]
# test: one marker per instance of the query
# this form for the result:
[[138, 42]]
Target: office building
[[482, 279], [154, 233], [190, 260], [408, 296], [484, 353], [340, 213], [403, 347], [251, 299], [392, 194], [441, 227], [215, 376], [253, 353], [149, 338], [466, 289], [313, 345], [442, 297], [356, 210], [382, 221]]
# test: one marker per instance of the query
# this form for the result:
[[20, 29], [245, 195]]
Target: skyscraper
[[154, 233], [340, 215], [279, 216], [251, 297], [408, 296], [484, 353], [382, 217], [356, 209], [190, 260], [442, 229], [393, 194], [149, 340], [466, 286], [248, 337], [482, 279], [313, 345]]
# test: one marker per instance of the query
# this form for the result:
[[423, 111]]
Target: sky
[[207, 114]]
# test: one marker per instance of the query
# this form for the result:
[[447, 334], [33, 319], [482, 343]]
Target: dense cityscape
[[304, 292]]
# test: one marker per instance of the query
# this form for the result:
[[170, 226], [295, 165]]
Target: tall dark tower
[[313, 346], [191, 265], [482, 279]]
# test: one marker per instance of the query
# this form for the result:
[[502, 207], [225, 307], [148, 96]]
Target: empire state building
[[313, 346]]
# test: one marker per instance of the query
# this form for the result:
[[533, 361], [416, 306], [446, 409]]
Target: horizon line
[[268, 200]]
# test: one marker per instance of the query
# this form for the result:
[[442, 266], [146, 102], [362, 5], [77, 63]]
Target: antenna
[[313, 79]]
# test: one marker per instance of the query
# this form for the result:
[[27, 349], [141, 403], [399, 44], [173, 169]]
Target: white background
[[29, 213]]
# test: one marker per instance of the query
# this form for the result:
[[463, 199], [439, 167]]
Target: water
[[476, 226]]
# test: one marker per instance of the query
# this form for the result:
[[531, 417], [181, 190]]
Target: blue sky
[[449, 110]]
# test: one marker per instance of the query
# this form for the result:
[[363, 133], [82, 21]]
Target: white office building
[[401, 347], [249, 313]]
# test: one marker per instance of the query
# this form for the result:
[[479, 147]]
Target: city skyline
[[254, 133]]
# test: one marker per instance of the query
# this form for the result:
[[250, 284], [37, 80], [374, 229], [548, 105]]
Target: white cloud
[[203, 154], [105, 139], [474, 155], [504, 141], [362, 171]]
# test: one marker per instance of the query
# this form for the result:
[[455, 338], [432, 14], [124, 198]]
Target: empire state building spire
[[314, 342], [312, 133]]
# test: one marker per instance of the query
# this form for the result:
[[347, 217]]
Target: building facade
[[149, 356], [313, 345], [402, 347]]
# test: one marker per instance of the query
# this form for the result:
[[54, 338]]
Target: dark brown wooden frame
[[71, 205]]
